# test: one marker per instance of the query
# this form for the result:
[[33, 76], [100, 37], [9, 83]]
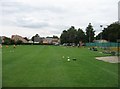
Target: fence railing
[[110, 44]]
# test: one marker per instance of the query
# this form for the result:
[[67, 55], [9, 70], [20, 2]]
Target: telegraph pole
[[101, 32], [101, 35]]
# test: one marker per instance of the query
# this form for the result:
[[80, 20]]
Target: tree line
[[9, 41], [72, 35], [111, 33]]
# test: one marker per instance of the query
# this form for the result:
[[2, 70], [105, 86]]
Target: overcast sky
[[51, 17]]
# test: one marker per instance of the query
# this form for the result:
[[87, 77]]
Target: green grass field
[[43, 66]]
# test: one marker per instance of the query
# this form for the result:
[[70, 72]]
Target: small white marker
[[68, 60]]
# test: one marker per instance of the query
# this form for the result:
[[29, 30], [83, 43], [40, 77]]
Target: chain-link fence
[[110, 44], [109, 47]]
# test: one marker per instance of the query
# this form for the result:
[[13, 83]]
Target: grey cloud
[[12, 7], [55, 16], [39, 24], [22, 22], [53, 9], [55, 32], [34, 25], [59, 26]]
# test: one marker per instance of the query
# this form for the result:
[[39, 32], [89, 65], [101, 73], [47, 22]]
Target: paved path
[[110, 59]]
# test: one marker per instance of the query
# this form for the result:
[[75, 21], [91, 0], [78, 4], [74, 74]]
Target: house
[[17, 38], [37, 40], [3, 39], [47, 40], [30, 41], [51, 40], [100, 41], [55, 40]]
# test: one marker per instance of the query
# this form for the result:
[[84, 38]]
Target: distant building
[[47, 40], [37, 40], [119, 11], [51, 40], [100, 41], [55, 40], [3, 38], [30, 41], [17, 37]]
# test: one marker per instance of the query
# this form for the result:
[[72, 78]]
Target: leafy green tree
[[72, 34], [98, 37], [12, 41], [19, 42], [63, 37], [26, 38], [7, 41], [80, 35], [37, 35], [33, 38], [111, 33], [55, 36], [90, 33]]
